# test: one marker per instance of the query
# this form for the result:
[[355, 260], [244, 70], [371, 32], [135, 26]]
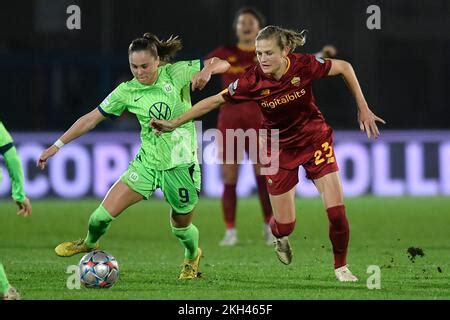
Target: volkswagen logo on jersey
[[161, 111]]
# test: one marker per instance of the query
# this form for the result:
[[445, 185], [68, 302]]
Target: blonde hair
[[165, 49], [284, 37]]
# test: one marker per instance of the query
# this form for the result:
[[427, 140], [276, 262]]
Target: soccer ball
[[98, 269]]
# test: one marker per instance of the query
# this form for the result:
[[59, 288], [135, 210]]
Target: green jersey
[[5, 137], [13, 164], [167, 99]]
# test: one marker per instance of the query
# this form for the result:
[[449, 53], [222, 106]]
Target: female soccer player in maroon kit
[[281, 84], [243, 115]]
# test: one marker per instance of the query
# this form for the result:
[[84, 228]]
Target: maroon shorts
[[244, 120], [318, 160]]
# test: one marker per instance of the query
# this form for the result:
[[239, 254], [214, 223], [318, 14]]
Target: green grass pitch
[[382, 229]]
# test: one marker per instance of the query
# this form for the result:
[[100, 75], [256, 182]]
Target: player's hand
[[200, 79], [367, 122], [50, 152], [25, 208], [329, 51], [160, 126]]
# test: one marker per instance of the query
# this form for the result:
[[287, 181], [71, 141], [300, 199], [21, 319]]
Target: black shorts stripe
[[191, 172], [6, 147]]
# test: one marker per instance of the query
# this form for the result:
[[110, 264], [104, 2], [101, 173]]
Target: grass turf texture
[[382, 229]]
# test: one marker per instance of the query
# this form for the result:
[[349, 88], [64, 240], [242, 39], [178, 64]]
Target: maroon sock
[[339, 233], [229, 205], [281, 229], [264, 198]]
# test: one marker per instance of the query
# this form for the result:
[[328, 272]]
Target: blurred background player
[[243, 115], [15, 171], [162, 90], [281, 83]]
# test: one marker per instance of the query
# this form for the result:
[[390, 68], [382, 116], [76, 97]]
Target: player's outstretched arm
[[83, 125], [212, 66], [366, 118], [15, 171], [200, 108]]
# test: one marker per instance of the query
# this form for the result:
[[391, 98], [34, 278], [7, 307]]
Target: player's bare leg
[[330, 188], [265, 204], [118, 198], [187, 233], [230, 173], [283, 223]]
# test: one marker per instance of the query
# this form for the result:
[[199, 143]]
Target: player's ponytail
[[165, 49], [284, 37]]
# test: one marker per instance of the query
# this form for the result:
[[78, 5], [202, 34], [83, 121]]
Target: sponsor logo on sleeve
[[105, 102], [320, 59], [232, 87]]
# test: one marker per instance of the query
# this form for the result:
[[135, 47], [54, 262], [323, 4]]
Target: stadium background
[[52, 75]]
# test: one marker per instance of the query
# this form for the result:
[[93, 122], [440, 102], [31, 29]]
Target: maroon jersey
[[287, 104], [239, 60]]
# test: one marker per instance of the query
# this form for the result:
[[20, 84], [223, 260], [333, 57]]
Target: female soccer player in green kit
[[15, 171], [158, 90]]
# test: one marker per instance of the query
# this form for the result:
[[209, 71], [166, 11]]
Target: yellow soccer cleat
[[190, 267], [67, 249]]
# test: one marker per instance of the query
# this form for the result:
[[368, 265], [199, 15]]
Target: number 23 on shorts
[[324, 154]]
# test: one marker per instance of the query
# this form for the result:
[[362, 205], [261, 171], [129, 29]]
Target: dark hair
[[165, 49], [284, 37], [249, 10]]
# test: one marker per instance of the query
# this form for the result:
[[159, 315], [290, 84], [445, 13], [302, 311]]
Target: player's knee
[[230, 174], [337, 217], [230, 179], [281, 229]]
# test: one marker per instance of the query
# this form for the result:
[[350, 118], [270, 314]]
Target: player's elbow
[[223, 64], [346, 67], [226, 65], [88, 122], [341, 67]]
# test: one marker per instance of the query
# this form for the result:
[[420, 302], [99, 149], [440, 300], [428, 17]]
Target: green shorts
[[180, 185]]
